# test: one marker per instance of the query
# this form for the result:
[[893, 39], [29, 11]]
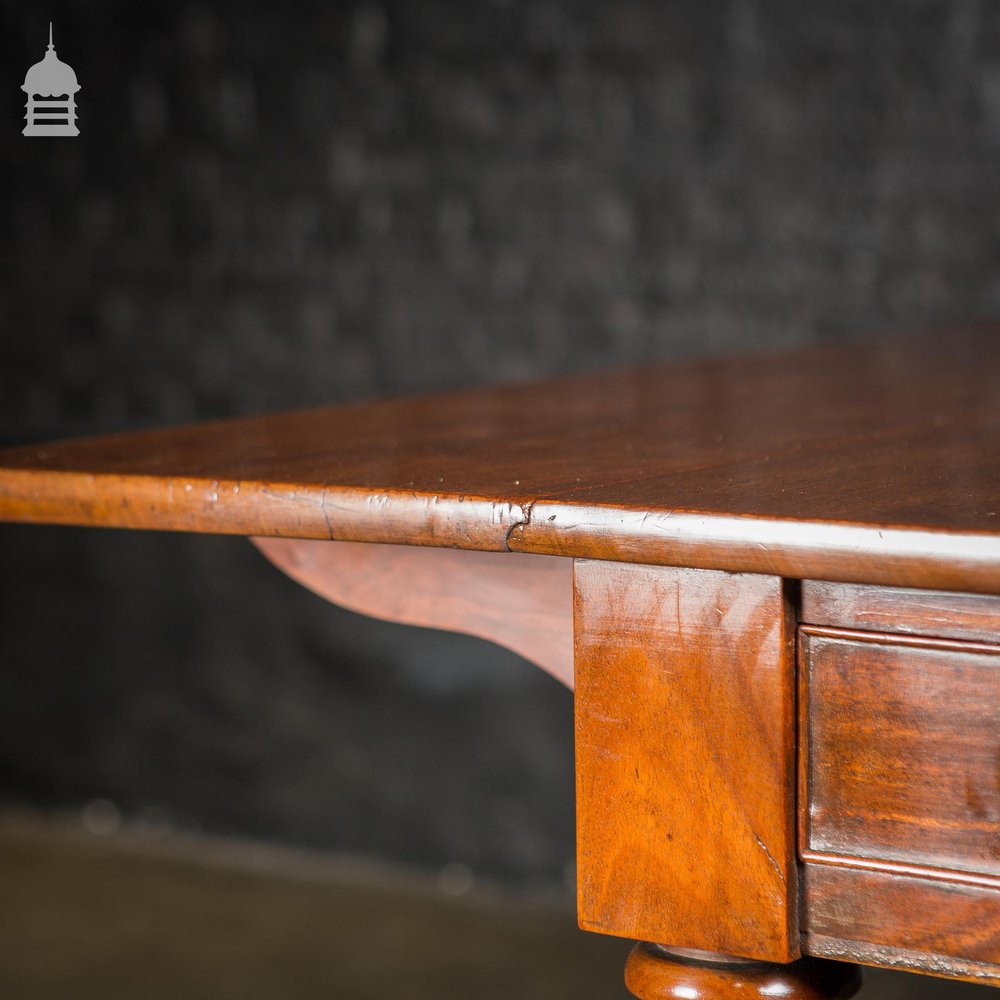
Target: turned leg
[[656, 973]]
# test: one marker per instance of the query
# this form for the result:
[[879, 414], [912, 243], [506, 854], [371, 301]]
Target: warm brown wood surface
[[875, 463], [523, 602], [899, 611], [874, 468], [653, 973], [901, 739], [899, 793], [894, 920], [685, 758]]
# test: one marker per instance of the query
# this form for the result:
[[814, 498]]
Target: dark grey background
[[273, 205]]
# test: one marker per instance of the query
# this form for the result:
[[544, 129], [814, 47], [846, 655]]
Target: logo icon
[[51, 88]]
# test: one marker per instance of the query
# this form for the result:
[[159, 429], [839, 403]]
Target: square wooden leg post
[[685, 756]]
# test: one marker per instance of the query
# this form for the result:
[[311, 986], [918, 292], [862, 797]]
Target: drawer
[[900, 751], [934, 613]]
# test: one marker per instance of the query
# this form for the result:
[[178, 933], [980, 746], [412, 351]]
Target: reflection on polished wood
[[876, 463], [933, 613], [655, 973]]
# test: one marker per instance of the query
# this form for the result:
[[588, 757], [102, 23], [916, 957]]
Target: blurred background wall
[[280, 204]]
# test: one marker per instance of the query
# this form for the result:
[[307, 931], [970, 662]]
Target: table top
[[875, 462]]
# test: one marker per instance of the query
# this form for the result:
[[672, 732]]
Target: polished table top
[[876, 462]]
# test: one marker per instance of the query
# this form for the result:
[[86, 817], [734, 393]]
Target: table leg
[[656, 973], [685, 758]]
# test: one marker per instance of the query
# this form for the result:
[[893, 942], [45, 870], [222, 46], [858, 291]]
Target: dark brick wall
[[281, 204]]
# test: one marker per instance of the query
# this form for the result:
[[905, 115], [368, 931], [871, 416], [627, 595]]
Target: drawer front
[[934, 613], [900, 755]]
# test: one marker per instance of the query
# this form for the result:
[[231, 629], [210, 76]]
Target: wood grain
[[882, 509], [522, 602], [901, 611], [685, 758], [654, 973], [899, 789], [901, 921], [875, 463], [901, 740]]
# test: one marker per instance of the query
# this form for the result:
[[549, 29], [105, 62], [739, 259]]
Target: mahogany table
[[774, 579]]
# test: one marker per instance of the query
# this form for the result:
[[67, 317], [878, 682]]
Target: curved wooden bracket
[[523, 602]]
